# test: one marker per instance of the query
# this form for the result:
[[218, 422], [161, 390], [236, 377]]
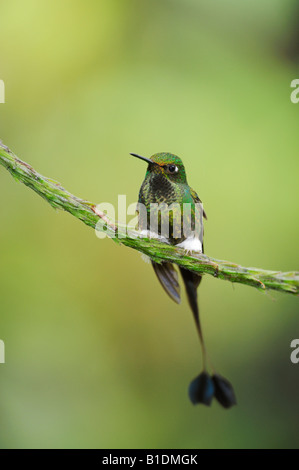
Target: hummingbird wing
[[169, 279], [197, 199]]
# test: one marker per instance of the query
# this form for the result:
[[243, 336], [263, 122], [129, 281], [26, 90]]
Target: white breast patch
[[191, 244]]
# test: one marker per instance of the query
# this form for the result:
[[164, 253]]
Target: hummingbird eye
[[172, 169]]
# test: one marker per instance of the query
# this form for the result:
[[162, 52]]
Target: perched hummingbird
[[169, 209]]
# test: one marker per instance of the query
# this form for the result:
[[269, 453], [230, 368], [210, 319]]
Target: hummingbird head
[[167, 165]]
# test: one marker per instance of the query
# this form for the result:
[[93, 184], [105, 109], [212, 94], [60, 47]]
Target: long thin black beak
[[143, 158]]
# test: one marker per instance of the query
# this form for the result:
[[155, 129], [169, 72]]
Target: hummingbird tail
[[204, 387], [192, 281]]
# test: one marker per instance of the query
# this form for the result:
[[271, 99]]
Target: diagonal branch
[[60, 198]]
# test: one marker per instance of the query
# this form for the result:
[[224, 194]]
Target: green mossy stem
[[60, 198]]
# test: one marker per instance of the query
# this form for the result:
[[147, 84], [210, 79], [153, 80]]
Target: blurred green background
[[96, 354]]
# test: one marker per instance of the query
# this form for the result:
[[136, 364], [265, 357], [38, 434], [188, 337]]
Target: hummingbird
[[169, 209]]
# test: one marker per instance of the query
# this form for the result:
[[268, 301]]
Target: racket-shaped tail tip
[[201, 389], [224, 391]]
